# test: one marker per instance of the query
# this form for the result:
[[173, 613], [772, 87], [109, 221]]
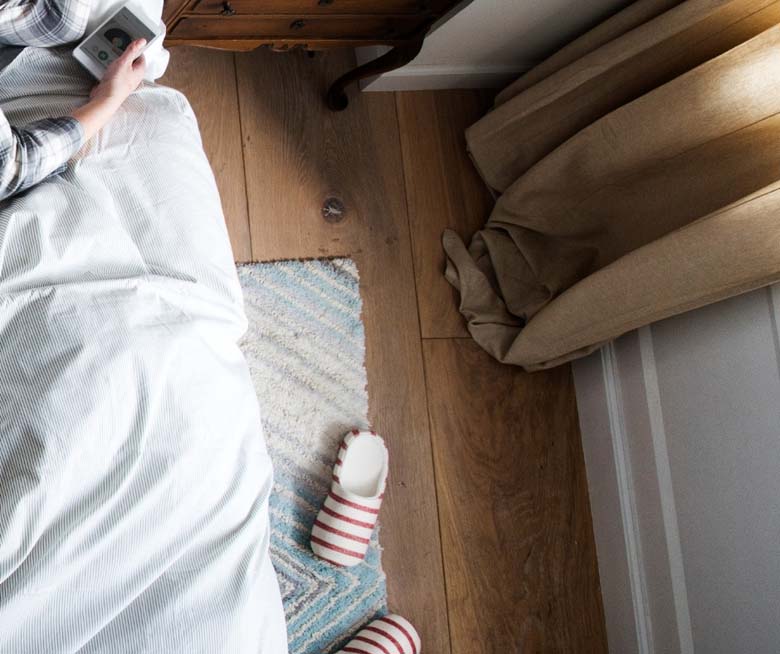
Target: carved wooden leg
[[400, 55]]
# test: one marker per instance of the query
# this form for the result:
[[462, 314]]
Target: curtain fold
[[664, 131], [632, 17]]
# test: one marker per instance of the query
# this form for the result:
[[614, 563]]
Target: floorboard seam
[[446, 338], [243, 157], [425, 377]]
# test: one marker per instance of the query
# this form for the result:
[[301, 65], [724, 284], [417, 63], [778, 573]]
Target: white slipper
[[342, 530], [389, 635]]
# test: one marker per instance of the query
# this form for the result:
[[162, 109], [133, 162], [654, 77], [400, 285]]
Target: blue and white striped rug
[[306, 348]]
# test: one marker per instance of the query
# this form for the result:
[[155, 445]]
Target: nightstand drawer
[[329, 7], [345, 28]]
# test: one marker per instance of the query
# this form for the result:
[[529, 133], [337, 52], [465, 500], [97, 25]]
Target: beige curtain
[[639, 177]]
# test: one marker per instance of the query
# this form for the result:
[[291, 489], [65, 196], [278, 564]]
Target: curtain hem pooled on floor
[[638, 176]]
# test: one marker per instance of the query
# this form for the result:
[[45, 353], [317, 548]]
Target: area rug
[[306, 349]]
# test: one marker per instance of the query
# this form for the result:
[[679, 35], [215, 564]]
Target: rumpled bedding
[[134, 478]]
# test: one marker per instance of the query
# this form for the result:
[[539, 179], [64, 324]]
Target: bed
[[134, 478]]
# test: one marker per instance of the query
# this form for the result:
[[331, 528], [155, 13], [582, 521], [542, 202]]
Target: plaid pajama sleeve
[[30, 154], [42, 23], [40, 149]]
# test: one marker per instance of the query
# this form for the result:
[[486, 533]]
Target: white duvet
[[134, 480]]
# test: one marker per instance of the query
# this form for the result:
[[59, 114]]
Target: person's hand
[[122, 76]]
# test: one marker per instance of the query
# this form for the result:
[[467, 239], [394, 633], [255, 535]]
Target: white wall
[[490, 42], [681, 433]]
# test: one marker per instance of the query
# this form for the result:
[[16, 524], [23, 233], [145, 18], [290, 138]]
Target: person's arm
[[34, 152], [121, 78], [30, 154], [42, 23]]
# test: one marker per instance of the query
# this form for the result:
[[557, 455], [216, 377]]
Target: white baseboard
[[632, 499], [621, 452], [438, 76]]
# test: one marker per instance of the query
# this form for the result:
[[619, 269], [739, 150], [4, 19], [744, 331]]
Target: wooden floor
[[487, 535]]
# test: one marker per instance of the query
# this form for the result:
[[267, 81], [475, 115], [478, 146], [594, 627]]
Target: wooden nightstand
[[311, 24]]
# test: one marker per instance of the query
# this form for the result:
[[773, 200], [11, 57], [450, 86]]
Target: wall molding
[[679, 434], [666, 490], [618, 395], [773, 293], [625, 486]]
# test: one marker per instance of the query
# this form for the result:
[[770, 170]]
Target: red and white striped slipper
[[389, 635], [342, 530]]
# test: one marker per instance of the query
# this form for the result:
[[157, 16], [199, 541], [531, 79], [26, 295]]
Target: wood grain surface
[[379, 182], [443, 190], [208, 79], [517, 535], [299, 156]]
